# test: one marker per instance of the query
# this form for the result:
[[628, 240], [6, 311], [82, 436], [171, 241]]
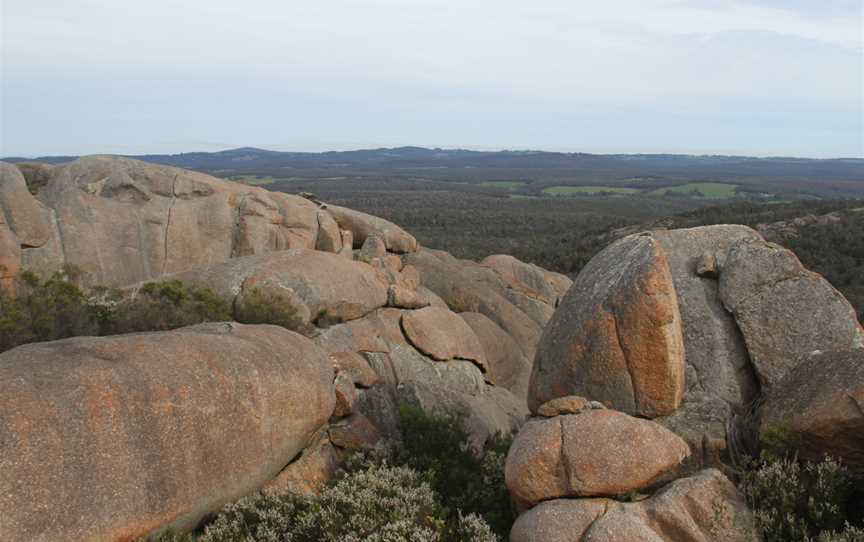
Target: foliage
[[378, 503], [796, 500], [58, 308], [259, 308], [437, 446]]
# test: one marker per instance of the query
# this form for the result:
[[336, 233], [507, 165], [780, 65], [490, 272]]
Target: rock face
[[616, 336], [702, 508], [589, 454], [120, 436], [442, 335], [122, 221], [819, 406], [506, 365], [783, 310], [528, 279], [314, 284]]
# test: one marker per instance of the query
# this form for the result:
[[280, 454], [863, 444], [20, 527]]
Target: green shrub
[[799, 501], [437, 445], [257, 307], [379, 503], [160, 306]]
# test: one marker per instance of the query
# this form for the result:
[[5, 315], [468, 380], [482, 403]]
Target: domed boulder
[[442, 335], [200, 417], [25, 215], [589, 454], [783, 310], [525, 278], [363, 226], [616, 336]]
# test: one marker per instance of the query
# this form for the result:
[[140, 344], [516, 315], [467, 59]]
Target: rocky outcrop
[[311, 283], [783, 310], [119, 436], [363, 226], [589, 454], [818, 407], [528, 279], [506, 366], [616, 336], [24, 214], [703, 508], [442, 335]]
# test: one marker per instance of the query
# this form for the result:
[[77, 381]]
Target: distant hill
[[842, 177]]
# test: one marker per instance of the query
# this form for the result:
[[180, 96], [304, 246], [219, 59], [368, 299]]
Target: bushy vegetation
[[58, 308], [796, 500], [432, 486]]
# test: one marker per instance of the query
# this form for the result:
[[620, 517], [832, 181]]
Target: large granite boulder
[[312, 283], [442, 335], [528, 279], [783, 310], [703, 508], [616, 336], [818, 407], [595, 453], [446, 276], [123, 221], [112, 438], [26, 216], [363, 226]]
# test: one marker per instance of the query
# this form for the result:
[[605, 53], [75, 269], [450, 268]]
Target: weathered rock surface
[[783, 310], [507, 367], [314, 284], [354, 433], [122, 221], [362, 226], [616, 336], [703, 508], [442, 335], [571, 404], [589, 454], [356, 367], [527, 279], [819, 406], [345, 395], [446, 277], [307, 475], [119, 436], [26, 216]]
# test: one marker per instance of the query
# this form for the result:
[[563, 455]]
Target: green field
[[708, 190], [587, 190], [506, 185], [257, 180]]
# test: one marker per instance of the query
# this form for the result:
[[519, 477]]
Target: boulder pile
[[690, 330], [171, 426]]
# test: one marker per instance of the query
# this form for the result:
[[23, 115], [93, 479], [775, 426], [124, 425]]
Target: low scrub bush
[[802, 501]]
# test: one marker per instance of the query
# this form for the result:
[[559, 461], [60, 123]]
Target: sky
[[754, 77]]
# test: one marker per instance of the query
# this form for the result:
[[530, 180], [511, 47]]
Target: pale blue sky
[[761, 77]]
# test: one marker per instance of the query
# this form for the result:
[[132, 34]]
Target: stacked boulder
[[172, 426], [687, 330]]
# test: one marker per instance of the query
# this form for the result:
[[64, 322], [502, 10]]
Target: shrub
[[160, 306], [257, 307], [380, 503], [470, 481], [799, 501]]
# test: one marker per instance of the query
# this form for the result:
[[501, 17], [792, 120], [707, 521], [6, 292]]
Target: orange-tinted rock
[[616, 336], [571, 404], [309, 473], [525, 278], [703, 508], [442, 335], [329, 236], [819, 406], [355, 433], [356, 366], [598, 453], [362, 226], [506, 365], [315, 284], [404, 298], [198, 416], [345, 395], [10, 257], [375, 332]]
